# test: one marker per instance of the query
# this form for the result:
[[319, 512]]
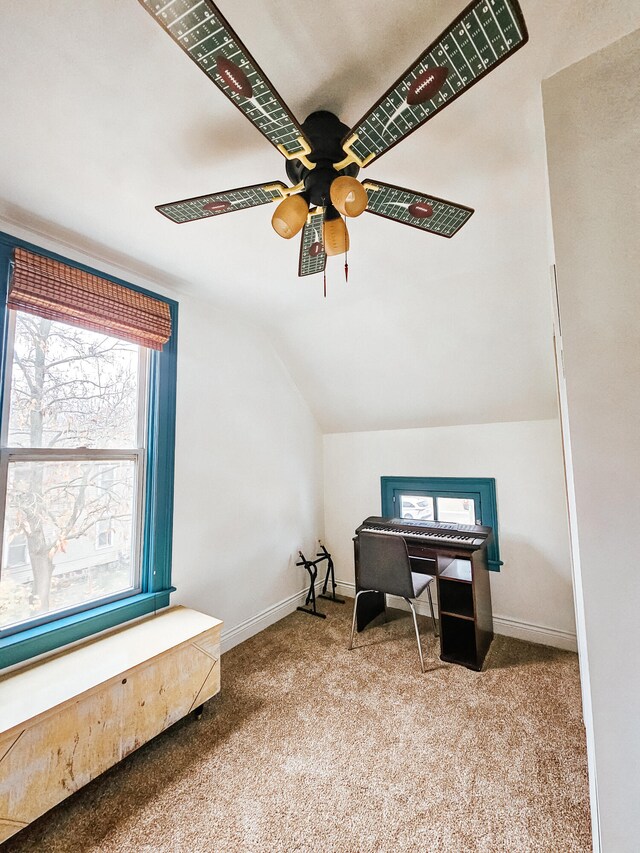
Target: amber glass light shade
[[290, 216], [348, 196], [336, 237]]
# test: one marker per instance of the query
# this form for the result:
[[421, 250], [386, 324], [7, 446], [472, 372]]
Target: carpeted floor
[[310, 747]]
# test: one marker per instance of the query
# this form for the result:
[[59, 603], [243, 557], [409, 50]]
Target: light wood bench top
[[47, 684]]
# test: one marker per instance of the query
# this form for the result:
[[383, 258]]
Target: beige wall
[[592, 116], [532, 595], [248, 473]]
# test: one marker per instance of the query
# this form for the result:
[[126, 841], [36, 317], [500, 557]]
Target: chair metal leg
[[415, 625], [433, 618], [355, 610]]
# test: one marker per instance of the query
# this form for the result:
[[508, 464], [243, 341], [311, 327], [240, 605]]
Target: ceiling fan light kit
[[348, 196], [290, 216], [323, 155], [336, 237]]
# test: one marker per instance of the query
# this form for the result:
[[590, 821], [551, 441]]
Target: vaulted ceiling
[[102, 117]]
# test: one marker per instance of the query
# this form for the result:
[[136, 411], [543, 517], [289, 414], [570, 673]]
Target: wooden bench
[[66, 719]]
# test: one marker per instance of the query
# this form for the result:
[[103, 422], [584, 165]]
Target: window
[[74, 399], [86, 476], [104, 533], [16, 551], [454, 500], [416, 506], [438, 508]]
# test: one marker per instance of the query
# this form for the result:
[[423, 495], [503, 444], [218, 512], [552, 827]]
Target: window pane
[[457, 510], [416, 506], [71, 387], [76, 519]]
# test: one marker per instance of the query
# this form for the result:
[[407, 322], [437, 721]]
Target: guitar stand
[[311, 567], [325, 555]]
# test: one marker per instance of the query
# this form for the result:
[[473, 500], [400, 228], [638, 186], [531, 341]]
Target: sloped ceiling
[[102, 117]]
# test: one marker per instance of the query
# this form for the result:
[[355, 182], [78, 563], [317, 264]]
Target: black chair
[[384, 566]]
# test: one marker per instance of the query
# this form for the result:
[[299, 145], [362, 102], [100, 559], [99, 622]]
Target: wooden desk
[[464, 600]]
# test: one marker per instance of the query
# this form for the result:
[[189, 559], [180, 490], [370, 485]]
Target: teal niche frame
[[481, 489], [160, 461]]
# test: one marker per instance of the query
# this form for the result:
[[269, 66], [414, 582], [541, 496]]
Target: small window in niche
[[416, 506], [457, 510], [464, 500]]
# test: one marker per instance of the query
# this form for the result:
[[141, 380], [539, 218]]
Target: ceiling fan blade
[[313, 258], [412, 208], [214, 204], [480, 38], [199, 28]]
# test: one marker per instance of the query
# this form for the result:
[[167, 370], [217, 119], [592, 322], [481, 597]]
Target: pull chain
[[346, 254], [324, 272]]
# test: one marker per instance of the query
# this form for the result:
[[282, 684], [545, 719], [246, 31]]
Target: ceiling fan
[[323, 156]]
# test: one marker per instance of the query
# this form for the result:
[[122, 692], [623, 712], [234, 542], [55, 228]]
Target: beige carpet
[[310, 747]]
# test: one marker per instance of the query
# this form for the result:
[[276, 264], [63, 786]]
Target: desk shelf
[[456, 595], [464, 602], [458, 570], [458, 640]]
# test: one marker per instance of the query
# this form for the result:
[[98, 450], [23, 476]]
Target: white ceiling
[[102, 117]]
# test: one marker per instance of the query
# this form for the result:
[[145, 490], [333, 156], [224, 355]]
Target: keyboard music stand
[[325, 555], [312, 568]]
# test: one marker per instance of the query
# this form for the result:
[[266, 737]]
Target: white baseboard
[[250, 627], [535, 633], [501, 624]]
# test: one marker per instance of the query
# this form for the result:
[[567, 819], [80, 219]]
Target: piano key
[[429, 533], [429, 537]]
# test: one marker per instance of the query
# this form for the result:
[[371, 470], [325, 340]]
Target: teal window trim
[[481, 489], [160, 461], [60, 632]]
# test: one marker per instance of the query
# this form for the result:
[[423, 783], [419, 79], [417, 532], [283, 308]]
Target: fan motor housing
[[325, 132]]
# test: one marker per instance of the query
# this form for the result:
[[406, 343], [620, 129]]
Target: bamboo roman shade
[[54, 290]]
